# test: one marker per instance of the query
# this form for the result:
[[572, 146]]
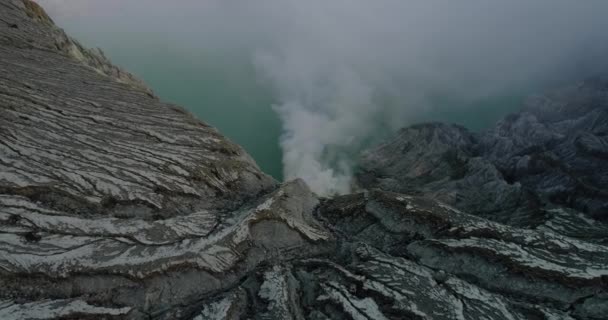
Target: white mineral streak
[[544, 250], [482, 299], [551, 314], [89, 147], [197, 224], [571, 266], [275, 290], [53, 309], [410, 285], [218, 310], [274, 287], [75, 245], [358, 309]]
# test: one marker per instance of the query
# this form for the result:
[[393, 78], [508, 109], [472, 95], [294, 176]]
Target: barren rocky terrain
[[116, 205]]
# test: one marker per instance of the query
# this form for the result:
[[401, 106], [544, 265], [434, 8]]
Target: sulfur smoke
[[344, 70]]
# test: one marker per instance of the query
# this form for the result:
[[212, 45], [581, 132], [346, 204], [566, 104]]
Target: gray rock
[[425, 260], [76, 137], [420, 258], [402, 257], [550, 156], [115, 205], [442, 161]]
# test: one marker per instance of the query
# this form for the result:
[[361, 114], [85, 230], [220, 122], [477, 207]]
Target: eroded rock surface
[[544, 167], [87, 141], [159, 269], [115, 205], [409, 257]]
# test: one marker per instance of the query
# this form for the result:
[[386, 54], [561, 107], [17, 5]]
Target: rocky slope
[[115, 205], [542, 168]]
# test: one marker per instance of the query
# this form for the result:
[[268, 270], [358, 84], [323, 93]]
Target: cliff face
[[542, 168], [115, 205], [81, 133]]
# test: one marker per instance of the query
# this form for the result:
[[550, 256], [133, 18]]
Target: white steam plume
[[326, 109], [343, 70], [333, 61]]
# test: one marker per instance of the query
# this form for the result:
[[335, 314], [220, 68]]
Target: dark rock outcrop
[[115, 205], [407, 257], [544, 167], [76, 133]]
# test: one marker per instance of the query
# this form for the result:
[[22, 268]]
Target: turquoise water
[[222, 89], [222, 92], [218, 87]]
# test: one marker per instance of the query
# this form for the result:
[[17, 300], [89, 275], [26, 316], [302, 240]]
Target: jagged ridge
[[115, 205]]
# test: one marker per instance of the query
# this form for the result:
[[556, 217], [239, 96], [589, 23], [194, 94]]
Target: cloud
[[334, 64], [343, 70], [68, 8]]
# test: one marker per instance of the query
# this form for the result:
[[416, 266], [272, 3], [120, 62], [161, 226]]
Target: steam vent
[[116, 205]]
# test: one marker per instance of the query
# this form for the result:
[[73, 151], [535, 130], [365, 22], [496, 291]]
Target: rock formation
[[115, 205], [542, 168]]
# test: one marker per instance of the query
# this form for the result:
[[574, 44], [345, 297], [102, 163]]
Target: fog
[[344, 70]]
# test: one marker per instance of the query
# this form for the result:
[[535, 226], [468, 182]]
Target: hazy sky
[[334, 64]]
